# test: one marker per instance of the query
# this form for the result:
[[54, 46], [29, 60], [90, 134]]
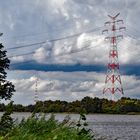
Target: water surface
[[109, 127]]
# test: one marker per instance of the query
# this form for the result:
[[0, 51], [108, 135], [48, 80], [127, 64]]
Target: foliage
[[6, 121], [38, 128], [86, 105], [6, 87], [6, 91], [81, 128], [92, 105]]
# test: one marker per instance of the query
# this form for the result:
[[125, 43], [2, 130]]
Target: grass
[[38, 128]]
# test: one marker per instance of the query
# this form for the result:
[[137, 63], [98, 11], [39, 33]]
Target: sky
[[70, 56]]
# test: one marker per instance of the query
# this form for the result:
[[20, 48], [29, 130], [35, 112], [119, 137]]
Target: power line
[[32, 52], [133, 37], [72, 51], [87, 47], [133, 29], [28, 45], [53, 40], [22, 54], [46, 32]]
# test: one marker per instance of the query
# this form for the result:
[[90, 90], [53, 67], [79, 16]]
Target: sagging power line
[[54, 40], [86, 47]]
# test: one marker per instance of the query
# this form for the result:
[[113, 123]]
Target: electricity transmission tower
[[113, 83], [36, 98]]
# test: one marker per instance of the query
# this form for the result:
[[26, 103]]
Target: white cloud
[[17, 59], [65, 86], [58, 18], [62, 18], [40, 54], [92, 50], [129, 51]]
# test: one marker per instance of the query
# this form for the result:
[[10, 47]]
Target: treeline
[[86, 105]]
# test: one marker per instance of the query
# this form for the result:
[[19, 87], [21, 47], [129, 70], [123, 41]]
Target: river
[[107, 127]]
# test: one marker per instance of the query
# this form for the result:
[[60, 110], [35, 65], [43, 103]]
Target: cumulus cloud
[[87, 49], [129, 51], [61, 18], [65, 86], [17, 59], [25, 22], [40, 54]]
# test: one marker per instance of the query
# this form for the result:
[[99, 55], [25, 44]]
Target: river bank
[[107, 126], [38, 127]]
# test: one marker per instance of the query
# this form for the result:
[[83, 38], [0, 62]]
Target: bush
[[6, 122], [38, 128]]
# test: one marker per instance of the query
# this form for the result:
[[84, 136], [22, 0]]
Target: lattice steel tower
[[113, 83], [36, 98]]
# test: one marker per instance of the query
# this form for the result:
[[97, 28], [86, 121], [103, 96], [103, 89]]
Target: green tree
[[92, 105], [6, 87], [6, 92], [6, 121], [2, 107], [18, 108]]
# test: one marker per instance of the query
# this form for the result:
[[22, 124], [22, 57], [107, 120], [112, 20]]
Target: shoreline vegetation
[[37, 127], [87, 105]]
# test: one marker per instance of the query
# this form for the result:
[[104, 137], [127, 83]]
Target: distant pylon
[[113, 82], [36, 91]]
